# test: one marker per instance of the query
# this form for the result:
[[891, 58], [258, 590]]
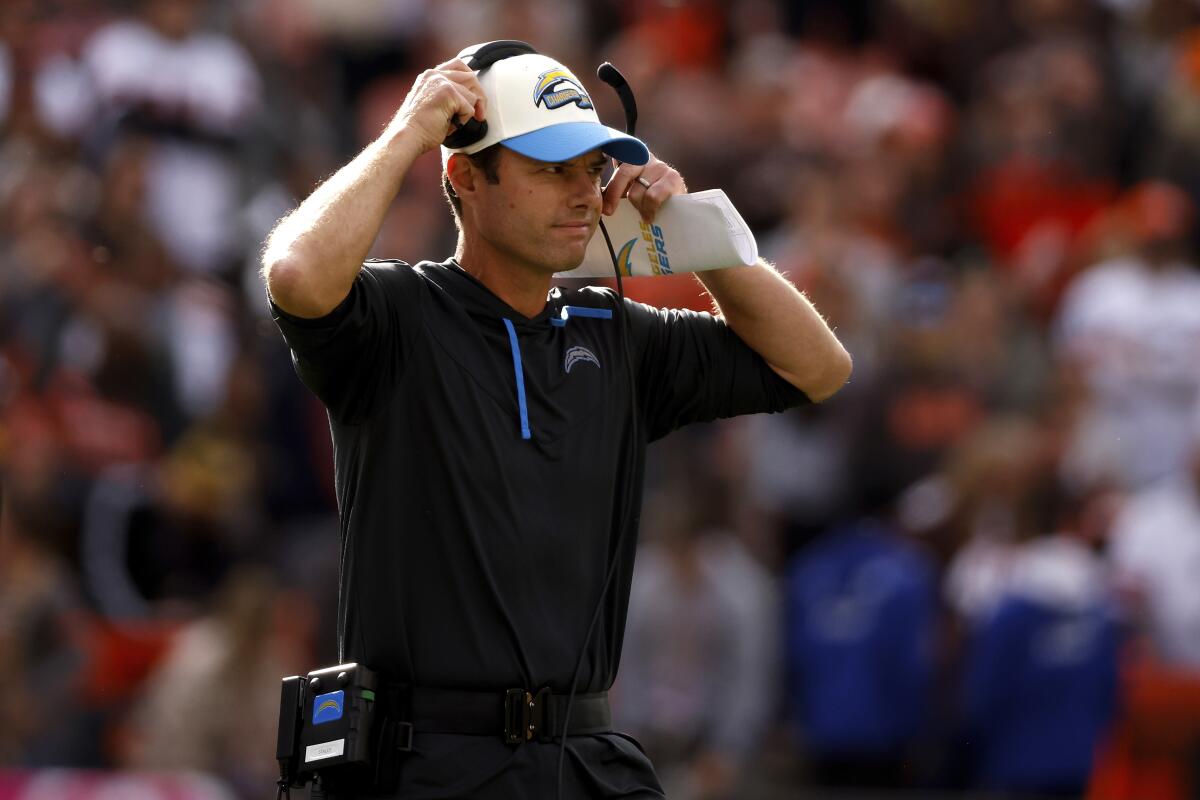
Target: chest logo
[[576, 355]]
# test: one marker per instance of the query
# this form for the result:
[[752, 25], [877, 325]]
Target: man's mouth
[[579, 226]]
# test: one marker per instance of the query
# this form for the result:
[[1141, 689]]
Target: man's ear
[[461, 174]]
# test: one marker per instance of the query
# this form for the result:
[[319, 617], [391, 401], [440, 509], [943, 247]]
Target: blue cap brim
[[568, 140]]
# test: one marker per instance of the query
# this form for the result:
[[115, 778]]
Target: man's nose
[[585, 191]]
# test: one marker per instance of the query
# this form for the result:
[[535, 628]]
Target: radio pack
[[338, 726]]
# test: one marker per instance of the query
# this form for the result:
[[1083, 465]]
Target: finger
[[638, 192], [645, 199], [470, 81], [463, 105], [658, 172], [619, 185], [456, 64], [473, 94], [439, 86], [462, 101], [648, 200]]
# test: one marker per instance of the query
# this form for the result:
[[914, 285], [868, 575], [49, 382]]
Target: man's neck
[[522, 288]]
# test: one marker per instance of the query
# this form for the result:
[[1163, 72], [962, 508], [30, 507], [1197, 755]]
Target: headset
[[472, 131], [469, 132]]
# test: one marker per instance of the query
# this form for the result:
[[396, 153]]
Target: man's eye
[[553, 169]]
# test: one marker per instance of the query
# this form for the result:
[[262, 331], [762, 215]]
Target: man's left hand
[[647, 187]]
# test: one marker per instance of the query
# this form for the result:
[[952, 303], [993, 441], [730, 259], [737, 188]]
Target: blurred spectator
[[161, 541], [1041, 676], [1156, 554], [697, 668], [212, 704], [1039, 134], [1130, 326], [39, 665], [860, 618], [1176, 105], [985, 513], [193, 93], [923, 403]]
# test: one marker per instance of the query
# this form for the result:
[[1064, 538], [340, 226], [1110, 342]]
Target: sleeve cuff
[[329, 320]]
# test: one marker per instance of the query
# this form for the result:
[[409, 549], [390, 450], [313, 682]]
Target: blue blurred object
[[861, 606], [1041, 683]]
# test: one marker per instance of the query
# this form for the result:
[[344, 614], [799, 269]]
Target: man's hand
[[647, 187], [439, 96], [314, 254]]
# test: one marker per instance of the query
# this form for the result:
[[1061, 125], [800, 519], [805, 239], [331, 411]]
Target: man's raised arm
[[761, 306], [314, 254], [781, 325]]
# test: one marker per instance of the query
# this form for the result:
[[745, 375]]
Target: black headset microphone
[[472, 131], [613, 77]]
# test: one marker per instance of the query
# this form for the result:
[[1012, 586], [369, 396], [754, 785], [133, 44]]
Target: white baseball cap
[[538, 108]]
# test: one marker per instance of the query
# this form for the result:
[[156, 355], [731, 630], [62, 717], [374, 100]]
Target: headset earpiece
[[465, 133], [471, 131], [491, 52]]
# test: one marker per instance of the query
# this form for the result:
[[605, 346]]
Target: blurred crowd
[[976, 568]]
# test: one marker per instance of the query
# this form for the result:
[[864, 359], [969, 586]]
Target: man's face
[[541, 214]]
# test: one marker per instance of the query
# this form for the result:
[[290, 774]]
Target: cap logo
[[556, 88]]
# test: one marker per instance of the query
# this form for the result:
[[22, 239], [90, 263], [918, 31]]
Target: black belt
[[517, 715]]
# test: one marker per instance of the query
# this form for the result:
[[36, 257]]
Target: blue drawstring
[[579, 311], [516, 354], [559, 321]]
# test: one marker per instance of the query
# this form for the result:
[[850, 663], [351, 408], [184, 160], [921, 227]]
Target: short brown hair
[[488, 161]]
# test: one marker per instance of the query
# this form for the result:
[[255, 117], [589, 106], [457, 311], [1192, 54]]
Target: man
[[483, 423]]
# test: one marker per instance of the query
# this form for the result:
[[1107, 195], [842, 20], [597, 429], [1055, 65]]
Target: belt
[[517, 715]]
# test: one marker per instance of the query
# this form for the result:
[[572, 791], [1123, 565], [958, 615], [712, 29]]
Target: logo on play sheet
[[578, 354]]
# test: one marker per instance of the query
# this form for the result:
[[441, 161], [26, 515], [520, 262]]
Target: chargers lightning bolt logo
[[551, 91], [624, 256], [328, 707], [578, 354]]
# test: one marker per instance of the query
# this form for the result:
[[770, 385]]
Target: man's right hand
[[439, 96], [314, 254]]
